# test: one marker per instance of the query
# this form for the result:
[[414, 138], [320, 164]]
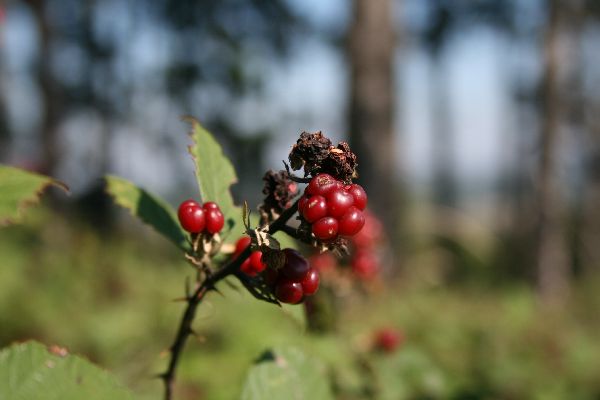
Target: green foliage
[[30, 371], [20, 189], [214, 173], [150, 209], [286, 373], [406, 374]]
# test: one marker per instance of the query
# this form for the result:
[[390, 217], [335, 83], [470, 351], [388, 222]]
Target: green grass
[[111, 299]]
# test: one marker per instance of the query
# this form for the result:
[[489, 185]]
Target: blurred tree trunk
[[574, 17], [590, 221], [49, 91], [372, 44], [590, 256], [552, 261]]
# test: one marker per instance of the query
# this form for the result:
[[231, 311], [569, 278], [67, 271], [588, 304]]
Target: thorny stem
[[185, 325]]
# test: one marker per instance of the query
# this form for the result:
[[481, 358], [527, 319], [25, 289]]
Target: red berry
[[388, 339], [256, 261], [214, 221], [246, 268], [352, 222], [211, 205], [191, 216], [310, 283], [302, 203], [338, 202], [241, 245], [296, 266], [315, 208], [359, 194], [322, 184], [326, 228], [288, 291], [189, 202], [253, 265]]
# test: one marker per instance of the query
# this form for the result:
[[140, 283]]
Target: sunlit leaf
[[30, 371], [19, 189], [215, 174], [287, 374], [150, 209]]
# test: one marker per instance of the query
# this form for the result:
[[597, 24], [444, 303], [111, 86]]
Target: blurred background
[[476, 123]]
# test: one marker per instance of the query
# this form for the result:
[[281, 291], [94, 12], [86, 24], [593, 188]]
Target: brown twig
[[185, 325]]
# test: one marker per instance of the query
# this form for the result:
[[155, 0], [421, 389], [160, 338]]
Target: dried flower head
[[315, 153]]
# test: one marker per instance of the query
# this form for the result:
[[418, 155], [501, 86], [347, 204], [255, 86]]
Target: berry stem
[[194, 300], [290, 230]]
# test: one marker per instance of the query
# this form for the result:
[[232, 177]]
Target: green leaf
[[408, 373], [30, 371], [152, 210], [287, 374], [214, 173], [20, 189]]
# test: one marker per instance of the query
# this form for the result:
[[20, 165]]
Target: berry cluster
[[291, 283], [295, 280], [195, 218], [332, 208]]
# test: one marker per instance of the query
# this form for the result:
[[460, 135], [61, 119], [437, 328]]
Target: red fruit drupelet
[[315, 208], [359, 195], [211, 205], [296, 266], [253, 265], [338, 202], [322, 184], [352, 222], [241, 245], [288, 291], [310, 283], [191, 216], [214, 220], [326, 228], [302, 204]]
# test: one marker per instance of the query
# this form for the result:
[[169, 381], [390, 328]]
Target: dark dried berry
[[341, 163], [279, 191], [310, 151]]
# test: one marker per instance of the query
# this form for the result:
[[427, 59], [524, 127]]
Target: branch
[[290, 230], [185, 326]]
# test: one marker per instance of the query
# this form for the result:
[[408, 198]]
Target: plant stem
[[185, 325]]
